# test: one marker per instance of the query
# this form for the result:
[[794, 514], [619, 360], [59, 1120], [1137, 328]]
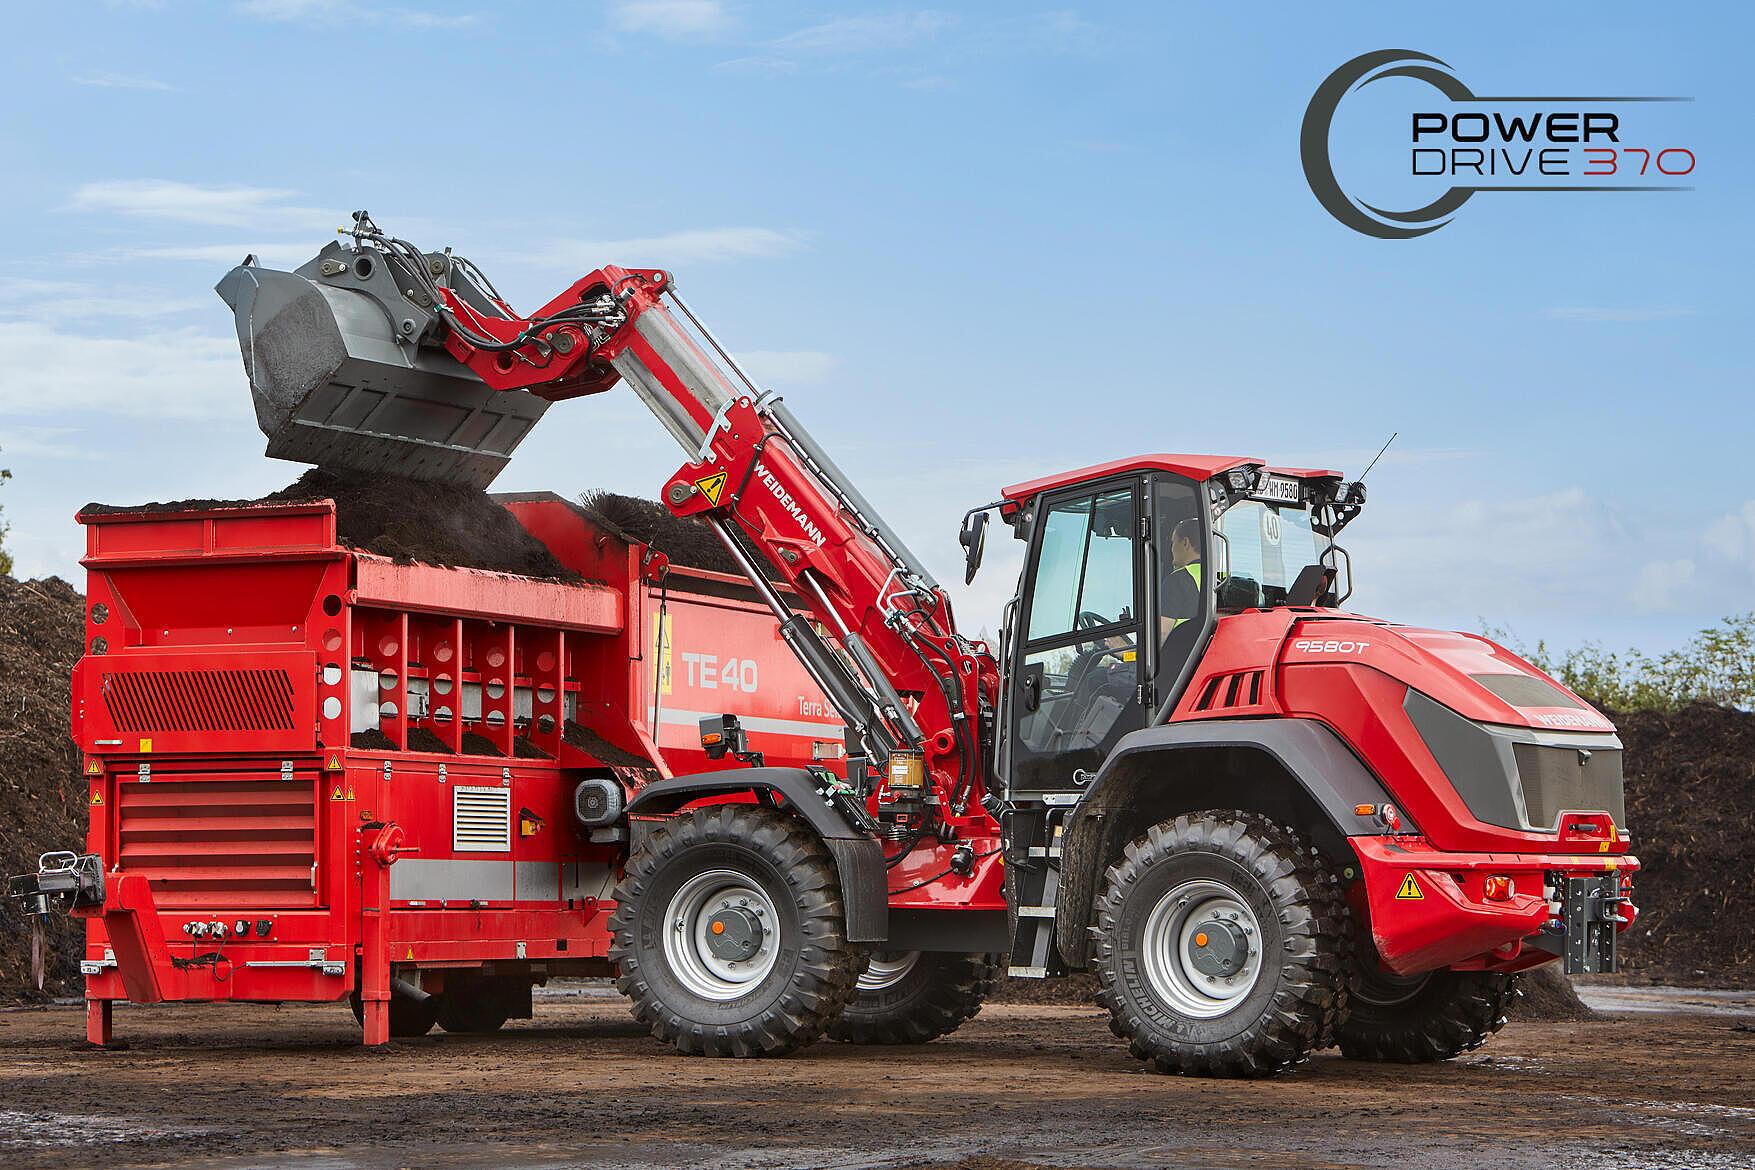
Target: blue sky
[[973, 243]]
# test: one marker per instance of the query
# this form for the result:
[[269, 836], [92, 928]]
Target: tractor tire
[[915, 996], [1185, 925], [729, 935], [409, 1017], [478, 1004], [1423, 1019]]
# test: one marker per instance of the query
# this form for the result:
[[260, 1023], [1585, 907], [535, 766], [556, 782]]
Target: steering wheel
[[1090, 619]]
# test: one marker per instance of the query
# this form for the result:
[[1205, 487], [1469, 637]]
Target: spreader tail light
[[1499, 888]]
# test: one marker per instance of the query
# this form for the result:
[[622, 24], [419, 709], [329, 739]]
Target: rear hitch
[[64, 880]]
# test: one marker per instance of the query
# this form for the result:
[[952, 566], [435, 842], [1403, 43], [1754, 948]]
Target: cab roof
[[1195, 467]]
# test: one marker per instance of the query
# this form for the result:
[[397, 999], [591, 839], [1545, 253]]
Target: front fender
[[859, 858], [1299, 771]]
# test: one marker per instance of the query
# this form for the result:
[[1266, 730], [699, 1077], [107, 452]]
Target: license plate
[[1281, 489]]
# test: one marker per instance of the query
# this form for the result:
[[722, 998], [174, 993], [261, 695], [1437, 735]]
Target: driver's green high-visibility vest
[[1192, 568]]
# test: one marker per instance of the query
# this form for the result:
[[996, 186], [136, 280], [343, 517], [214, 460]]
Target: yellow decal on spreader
[[336, 795], [712, 486], [146, 745], [1410, 890], [411, 952], [97, 798], [94, 768]]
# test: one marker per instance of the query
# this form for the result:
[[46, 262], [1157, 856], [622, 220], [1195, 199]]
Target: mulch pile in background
[[42, 794], [1691, 812]]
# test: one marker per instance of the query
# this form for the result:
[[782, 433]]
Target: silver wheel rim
[[886, 969], [1187, 910], [688, 926]]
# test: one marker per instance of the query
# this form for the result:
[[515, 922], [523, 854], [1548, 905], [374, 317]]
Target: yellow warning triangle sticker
[[411, 952], [94, 768], [97, 797], [1410, 890], [336, 795], [712, 486]]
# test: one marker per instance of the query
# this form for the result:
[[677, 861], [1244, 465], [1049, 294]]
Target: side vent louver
[[481, 820], [1242, 689]]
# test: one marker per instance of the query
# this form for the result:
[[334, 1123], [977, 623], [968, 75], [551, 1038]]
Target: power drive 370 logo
[[1459, 145]]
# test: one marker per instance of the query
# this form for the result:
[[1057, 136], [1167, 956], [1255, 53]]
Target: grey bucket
[[341, 376]]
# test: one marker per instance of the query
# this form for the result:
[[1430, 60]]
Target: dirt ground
[[1023, 1085]]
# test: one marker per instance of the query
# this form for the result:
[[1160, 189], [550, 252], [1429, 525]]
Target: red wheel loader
[[1266, 823]]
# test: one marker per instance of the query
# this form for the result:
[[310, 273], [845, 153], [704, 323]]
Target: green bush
[[1717, 666]]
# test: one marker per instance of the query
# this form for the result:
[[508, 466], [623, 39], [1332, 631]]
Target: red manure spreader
[[795, 801]]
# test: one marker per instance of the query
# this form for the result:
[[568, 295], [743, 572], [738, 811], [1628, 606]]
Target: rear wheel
[[1421, 1018], [1220, 946], [408, 1016], [729, 934], [910, 997], [479, 1003]]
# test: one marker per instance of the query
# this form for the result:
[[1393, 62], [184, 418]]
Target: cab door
[[1079, 678]]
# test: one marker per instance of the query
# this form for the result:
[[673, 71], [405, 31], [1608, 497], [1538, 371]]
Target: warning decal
[[1410, 890], [712, 486], [97, 798]]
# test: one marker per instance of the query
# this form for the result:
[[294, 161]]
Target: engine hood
[[1472, 675]]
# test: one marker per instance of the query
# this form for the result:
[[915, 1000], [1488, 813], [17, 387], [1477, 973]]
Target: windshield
[[1267, 546]]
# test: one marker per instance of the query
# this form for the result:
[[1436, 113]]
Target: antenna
[[1377, 456]]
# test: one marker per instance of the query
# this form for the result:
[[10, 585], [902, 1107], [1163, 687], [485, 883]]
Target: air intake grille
[[222, 840], [199, 700], [481, 820], [1558, 779]]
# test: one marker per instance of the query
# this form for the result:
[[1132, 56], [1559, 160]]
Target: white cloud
[[864, 34], [782, 367], [1618, 316], [340, 11], [46, 443], [170, 201], [181, 373], [1659, 585], [66, 300], [698, 246], [1563, 552], [271, 255], [104, 80], [760, 65], [1732, 537], [671, 19]]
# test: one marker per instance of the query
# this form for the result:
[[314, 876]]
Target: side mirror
[[973, 538]]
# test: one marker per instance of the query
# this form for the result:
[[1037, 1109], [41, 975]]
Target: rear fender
[[1294, 770], [859, 859]]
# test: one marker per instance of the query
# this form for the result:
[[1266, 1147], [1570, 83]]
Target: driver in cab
[[1180, 592]]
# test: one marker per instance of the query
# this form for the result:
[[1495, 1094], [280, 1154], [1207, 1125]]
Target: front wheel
[[729, 933], [1423, 1018], [1221, 940], [910, 997]]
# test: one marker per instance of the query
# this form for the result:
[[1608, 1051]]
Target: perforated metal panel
[[481, 820]]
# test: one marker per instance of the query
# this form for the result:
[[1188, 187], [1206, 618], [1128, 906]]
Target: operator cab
[[1130, 565]]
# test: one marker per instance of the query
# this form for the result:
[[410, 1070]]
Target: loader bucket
[[333, 386]]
